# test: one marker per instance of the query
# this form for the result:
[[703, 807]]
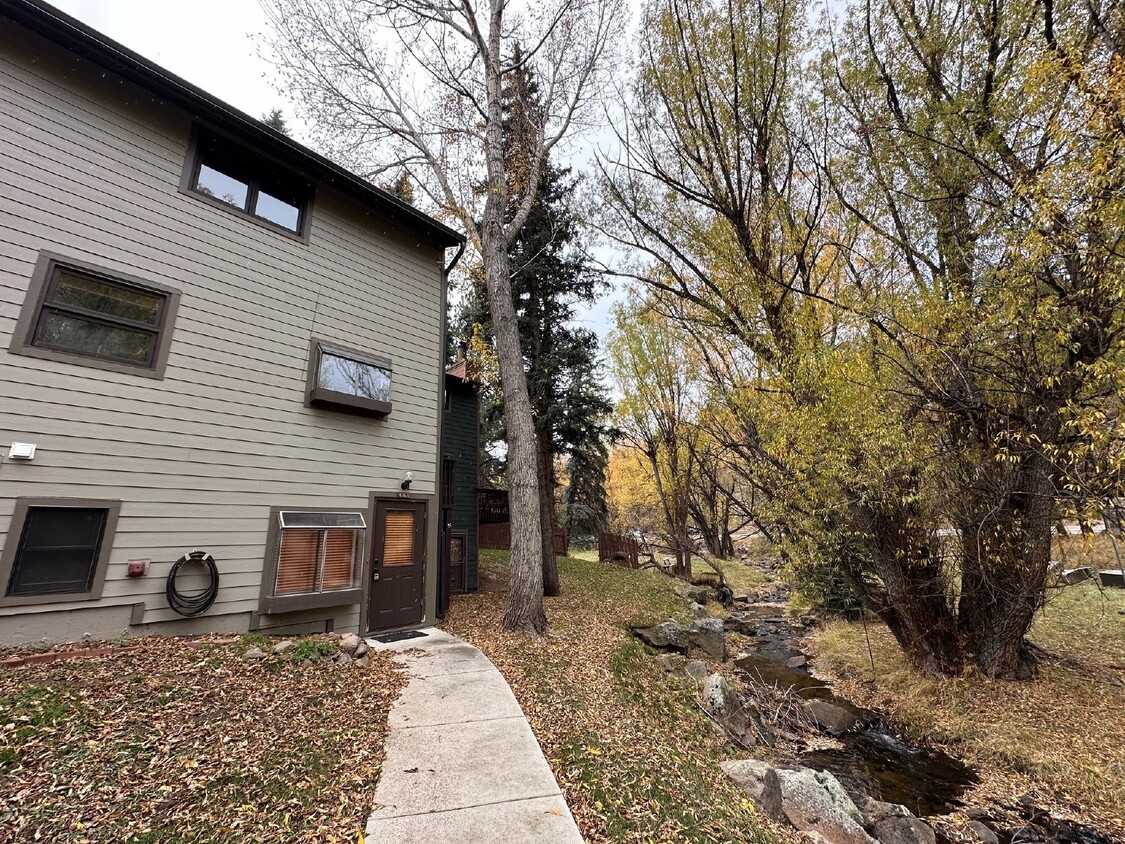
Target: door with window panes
[[398, 562]]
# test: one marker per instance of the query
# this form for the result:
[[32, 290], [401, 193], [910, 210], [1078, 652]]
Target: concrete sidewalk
[[462, 765]]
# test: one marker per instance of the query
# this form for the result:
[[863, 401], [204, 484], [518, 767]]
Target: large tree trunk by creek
[[1004, 574], [914, 600]]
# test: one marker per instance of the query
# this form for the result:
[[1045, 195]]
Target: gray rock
[[254, 654], [698, 610], [724, 705], [816, 802], [696, 669], [363, 661], [814, 838], [361, 649], [982, 833], [876, 810], [797, 662], [349, 642], [833, 719], [666, 634], [758, 780], [904, 831], [343, 658], [707, 634], [284, 646], [671, 662], [739, 623], [699, 594]]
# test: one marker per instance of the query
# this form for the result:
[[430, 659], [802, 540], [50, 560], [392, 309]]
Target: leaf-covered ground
[[1060, 738], [186, 741], [634, 755]]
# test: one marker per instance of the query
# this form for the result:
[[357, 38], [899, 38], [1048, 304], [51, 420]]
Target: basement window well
[[313, 560]]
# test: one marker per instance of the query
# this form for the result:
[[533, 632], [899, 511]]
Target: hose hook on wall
[[197, 602]]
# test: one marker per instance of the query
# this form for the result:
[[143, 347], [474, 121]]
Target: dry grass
[[172, 743], [1061, 737], [637, 760]]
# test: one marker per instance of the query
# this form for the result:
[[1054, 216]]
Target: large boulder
[[816, 802], [723, 704], [833, 719], [758, 780], [666, 634], [708, 635], [904, 831]]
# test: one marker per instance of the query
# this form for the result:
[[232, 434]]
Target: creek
[[872, 760]]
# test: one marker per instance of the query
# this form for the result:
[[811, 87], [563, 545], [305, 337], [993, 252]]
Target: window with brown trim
[[232, 176], [316, 561], [57, 550], [81, 313], [344, 379]]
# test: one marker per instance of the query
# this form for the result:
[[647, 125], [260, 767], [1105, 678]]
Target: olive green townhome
[[220, 362]]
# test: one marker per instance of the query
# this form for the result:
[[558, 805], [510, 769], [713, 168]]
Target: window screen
[[297, 519], [58, 551]]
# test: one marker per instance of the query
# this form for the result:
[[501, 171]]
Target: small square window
[[77, 312], [232, 175], [347, 380], [57, 551]]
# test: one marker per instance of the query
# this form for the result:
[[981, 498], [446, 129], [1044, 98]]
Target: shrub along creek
[[835, 771]]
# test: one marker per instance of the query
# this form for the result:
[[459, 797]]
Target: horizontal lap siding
[[90, 169]]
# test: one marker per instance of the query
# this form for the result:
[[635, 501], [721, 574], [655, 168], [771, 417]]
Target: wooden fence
[[620, 549], [499, 537]]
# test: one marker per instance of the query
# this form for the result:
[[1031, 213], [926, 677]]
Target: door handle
[[374, 569]]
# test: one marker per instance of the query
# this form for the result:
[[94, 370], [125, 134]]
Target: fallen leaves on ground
[[634, 755], [186, 741]]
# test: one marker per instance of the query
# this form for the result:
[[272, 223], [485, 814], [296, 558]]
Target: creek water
[[872, 760]]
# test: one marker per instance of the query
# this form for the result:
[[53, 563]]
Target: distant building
[[460, 455]]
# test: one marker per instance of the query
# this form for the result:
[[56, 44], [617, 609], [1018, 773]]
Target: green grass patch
[[637, 759]]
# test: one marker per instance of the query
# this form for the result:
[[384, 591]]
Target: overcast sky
[[210, 43], [215, 45]]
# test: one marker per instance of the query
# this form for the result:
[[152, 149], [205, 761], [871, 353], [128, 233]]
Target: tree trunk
[[1005, 574], [524, 610], [547, 513]]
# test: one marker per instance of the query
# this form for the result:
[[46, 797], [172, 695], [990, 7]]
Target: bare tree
[[425, 87]]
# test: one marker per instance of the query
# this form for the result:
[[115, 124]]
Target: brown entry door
[[398, 562]]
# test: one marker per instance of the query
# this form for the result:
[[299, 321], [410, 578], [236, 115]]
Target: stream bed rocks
[[832, 770], [815, 803]]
